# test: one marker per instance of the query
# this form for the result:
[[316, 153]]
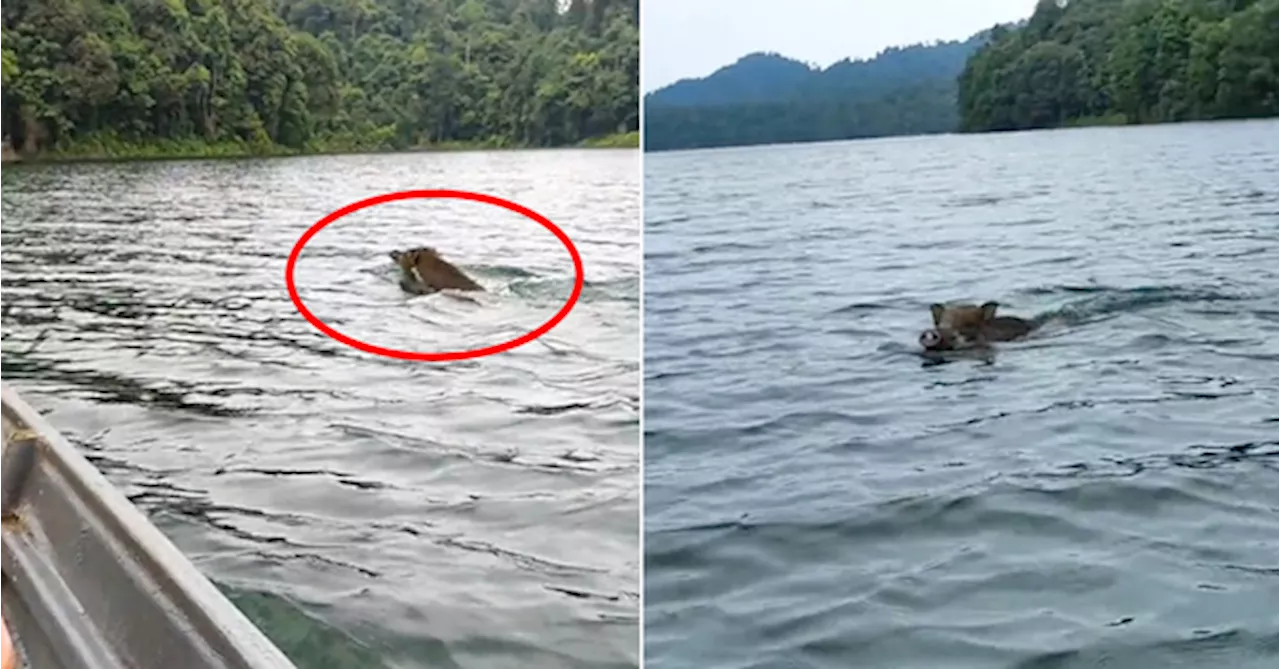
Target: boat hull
[[88, 581]]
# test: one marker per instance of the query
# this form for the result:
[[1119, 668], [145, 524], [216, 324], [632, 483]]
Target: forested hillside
[[214, 76], [765, 98], [1125, 61]]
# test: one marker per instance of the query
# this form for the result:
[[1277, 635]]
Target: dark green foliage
[[920, 109], [271, 75], [765, 98], [1137, 61]]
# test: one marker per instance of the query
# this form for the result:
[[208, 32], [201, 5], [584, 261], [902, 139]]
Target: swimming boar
[[425, 272], [958, 326]]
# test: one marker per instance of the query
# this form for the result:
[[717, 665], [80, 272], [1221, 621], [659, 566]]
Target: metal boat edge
[[89, 582]]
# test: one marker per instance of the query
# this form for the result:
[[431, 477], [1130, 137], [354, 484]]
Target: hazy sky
[[692, 38]]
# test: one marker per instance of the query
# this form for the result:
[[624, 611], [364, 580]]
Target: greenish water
[[364, 511]]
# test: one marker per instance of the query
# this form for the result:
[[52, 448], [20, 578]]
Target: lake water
[[1104, 494], [365, 511]]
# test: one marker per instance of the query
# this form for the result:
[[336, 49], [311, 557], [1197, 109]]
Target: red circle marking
[[448, 355]]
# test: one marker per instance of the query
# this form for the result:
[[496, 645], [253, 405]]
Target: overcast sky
[[693, 38]]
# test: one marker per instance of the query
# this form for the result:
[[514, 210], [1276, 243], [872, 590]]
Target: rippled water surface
[[1104, 494], [365, 511]]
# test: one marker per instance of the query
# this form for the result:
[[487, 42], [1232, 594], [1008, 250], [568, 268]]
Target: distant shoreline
[[164, 151], [1078, 124]]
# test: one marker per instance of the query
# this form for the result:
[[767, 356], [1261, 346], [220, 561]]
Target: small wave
[[149, 299], [1103, 302], [824, 501], [503, 272], [623, 289]]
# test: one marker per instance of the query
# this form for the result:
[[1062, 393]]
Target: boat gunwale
[[190, 598]]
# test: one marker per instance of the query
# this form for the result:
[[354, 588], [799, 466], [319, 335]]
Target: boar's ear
[[936, 310], [989, 310]]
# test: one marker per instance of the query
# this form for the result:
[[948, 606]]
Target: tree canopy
[[765, 98], [319, 74], [1129, 61], [1071, 62]]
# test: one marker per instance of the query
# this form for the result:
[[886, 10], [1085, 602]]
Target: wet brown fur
[[966, 325], [426, 271]]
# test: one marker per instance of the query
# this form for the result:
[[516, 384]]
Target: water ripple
[[437, 514], [1105, 493]]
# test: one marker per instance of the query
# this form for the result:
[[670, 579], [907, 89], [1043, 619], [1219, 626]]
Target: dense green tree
[[923, 108], [316, 74], [1136, 61], [765, 98], [1070, 62]]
